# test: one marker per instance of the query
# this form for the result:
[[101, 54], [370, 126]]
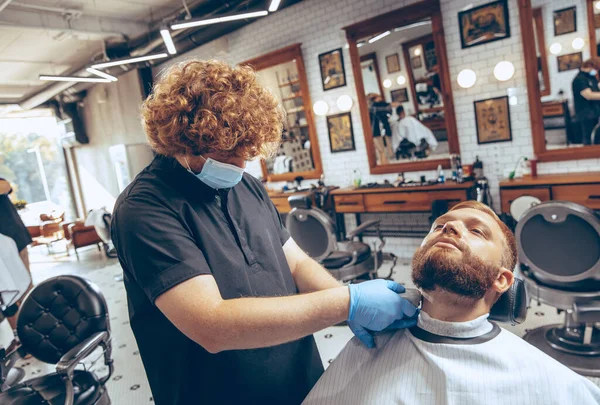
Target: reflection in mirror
[[569, 117], [596, 8], [294, 154], [402, 84]]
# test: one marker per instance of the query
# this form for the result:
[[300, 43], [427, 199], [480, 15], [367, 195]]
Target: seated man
[[455, 355], [408, 129]]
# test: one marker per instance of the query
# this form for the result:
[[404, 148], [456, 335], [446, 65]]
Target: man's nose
[[450, 228]]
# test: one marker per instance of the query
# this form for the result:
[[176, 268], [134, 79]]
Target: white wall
[[317, 24], [111, 115]]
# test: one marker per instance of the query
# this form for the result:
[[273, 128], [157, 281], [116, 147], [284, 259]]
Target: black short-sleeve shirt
[[168, 227], [585, 109], [11, 224]]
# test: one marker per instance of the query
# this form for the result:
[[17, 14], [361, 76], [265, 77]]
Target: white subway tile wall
[[317, 24]]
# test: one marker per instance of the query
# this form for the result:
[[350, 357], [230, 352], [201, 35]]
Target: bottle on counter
[[454, 165], [441, 178], [459, 171], [478, 169]]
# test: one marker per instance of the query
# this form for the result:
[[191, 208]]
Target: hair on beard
[[466, 275]]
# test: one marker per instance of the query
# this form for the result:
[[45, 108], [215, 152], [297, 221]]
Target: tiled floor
[[129, 385]]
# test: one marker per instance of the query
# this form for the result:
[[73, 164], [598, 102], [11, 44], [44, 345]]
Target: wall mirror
[[557, 38], [403, 85], [283, 73]]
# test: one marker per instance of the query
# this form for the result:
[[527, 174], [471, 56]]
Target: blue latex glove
[[375, 305]]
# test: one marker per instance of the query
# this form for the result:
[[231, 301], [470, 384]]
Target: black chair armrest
[[363, 227], [70, 359]]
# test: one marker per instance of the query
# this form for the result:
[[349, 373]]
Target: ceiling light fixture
[[197, 23], [11, 95], [320, 107], [344, 102], [378, 37], [504, 70], [418, 52], [274, 5], [128, 60], [74, 79], [597, 5], [387, 83], [555, 48], [102, 74], [466, 78], [578, 43], [166, 35], [401, 80]]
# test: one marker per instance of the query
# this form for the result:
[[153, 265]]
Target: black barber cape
[[168, 227], [11, 224]]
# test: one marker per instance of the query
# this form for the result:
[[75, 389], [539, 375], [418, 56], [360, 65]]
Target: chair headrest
[[511, 307], [300, 201]]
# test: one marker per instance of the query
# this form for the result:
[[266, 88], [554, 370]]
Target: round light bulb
[[320, 107], [417, 51], [578, 43], [597, 5], [401, 80], [504, 70], [555, 48], [466, 78], [344, 102], [387, 83]]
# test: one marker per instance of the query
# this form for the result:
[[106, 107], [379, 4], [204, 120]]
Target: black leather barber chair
[[62, 321], [559, 251], [315, 232]]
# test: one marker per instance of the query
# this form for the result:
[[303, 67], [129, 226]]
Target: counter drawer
[[349, 203], [452, 196], [552, 110], [584, 194], [282, 204], [397, 202], [509, 195]]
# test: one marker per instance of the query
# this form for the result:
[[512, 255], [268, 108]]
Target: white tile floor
[[129, 385]]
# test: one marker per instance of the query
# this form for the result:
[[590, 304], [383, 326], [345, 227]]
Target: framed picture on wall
[[483, 24], [392, 62], [596, 20], [399, 96], [570, 61], [492, 118], [416, 62], [565, 21], [333, 74], [341, 134]]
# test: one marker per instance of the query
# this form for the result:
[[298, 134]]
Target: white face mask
[[218, 175], [593, 72]]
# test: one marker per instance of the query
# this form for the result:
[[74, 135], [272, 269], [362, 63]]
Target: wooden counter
[[581, 188], [280, 199], [398, 199]]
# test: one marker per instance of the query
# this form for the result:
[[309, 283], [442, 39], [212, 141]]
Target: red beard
[[465, 275]]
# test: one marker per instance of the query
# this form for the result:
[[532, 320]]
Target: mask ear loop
[[188, 165]]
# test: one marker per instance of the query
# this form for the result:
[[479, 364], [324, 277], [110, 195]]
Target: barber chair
[[62, 321], [315, 232], [559, 251]]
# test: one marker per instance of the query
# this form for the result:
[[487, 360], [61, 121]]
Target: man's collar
[[470, 329], [178, 176]]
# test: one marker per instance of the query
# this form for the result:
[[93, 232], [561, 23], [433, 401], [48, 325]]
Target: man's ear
[[504, 280]]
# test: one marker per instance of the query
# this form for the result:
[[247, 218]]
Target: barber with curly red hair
[[222, 302]]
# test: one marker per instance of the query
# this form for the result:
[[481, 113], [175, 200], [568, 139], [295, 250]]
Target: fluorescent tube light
[[197, 23], [129, 60], [102, 74], [166, 35], [378, 37], [274, 5], [74, 79]]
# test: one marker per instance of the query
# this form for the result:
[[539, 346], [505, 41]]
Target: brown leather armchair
[[81, 235]]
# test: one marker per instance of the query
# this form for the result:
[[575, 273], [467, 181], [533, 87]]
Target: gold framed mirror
[[558, 128], [284, 74], [419, 84]]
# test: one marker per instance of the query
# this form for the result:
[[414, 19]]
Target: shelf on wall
[[289, 83], [431, 110], [292, 97], [295, 110]]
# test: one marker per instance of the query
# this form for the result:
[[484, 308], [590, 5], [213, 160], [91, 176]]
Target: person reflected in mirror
[[379, 112], [586, 100], [411, 138]]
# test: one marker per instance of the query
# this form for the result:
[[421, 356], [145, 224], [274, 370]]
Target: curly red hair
[[199, 107]]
